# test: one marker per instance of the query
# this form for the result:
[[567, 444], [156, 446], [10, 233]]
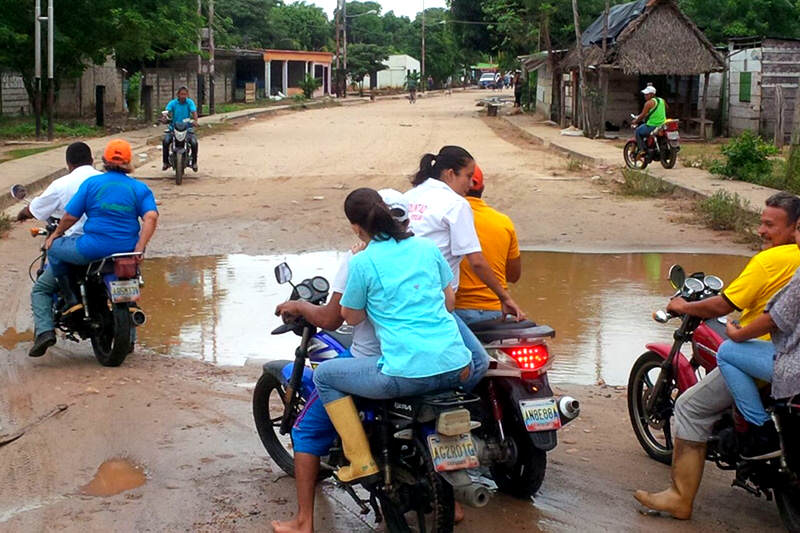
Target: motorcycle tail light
[[533, 358], [672, 125]]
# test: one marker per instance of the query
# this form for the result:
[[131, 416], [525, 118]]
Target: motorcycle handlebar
[[663, 317]]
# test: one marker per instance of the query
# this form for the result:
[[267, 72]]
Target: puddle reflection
[[220, 308]]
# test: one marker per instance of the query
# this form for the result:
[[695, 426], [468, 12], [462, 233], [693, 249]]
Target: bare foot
[[458, 515], [667, 501], [292, 526]]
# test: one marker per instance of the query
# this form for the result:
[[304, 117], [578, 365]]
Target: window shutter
[[745, 79]]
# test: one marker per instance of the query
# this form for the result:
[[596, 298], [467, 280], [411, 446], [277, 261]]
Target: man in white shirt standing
[[51, 203]]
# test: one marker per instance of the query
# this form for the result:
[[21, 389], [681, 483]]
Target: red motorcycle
[[663, 373], [662, 144]]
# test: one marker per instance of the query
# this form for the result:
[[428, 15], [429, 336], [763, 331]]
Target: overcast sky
[[409, 8]]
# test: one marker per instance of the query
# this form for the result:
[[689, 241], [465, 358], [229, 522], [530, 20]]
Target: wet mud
[[115, 476]]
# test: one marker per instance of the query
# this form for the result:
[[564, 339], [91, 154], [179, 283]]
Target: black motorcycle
[[179, 149], [514, 422], [109, 290]]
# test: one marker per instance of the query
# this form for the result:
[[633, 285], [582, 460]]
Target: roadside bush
[[728, 212], [309, 84], [746, 159], [638, 183], [574, 165]]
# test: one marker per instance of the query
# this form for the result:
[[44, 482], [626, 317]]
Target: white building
[[394, 75]]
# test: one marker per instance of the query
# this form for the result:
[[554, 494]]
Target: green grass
[[727, 211], [700, 155], [574, 165], [25, 127], [25, 152], [638, 183]]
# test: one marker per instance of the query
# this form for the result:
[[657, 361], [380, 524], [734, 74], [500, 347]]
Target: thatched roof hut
[[647, 37], [651, 38]]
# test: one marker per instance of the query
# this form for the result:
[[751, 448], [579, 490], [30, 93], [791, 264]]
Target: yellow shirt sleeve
[[745, 291], [513, 247]]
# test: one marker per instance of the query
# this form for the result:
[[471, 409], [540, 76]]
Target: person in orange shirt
[[475, 302]]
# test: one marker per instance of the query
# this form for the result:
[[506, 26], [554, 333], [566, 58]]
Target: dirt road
[[188, 425]]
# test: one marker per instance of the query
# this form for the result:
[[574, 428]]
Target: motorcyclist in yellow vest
[[652, 116]]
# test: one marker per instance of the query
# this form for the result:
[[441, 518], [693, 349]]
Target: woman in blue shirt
[[402, 284]]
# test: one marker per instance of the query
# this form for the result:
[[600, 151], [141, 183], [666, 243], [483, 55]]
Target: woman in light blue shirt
[[402, 283]]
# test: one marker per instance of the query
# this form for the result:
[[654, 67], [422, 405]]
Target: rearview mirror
[[19, 192], [676, 276], [283, 274]]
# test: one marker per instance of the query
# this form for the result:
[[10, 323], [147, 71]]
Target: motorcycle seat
[[495, 330], [429, 405], [500, 324]]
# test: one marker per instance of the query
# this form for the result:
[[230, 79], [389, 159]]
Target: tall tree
[[730, 18]]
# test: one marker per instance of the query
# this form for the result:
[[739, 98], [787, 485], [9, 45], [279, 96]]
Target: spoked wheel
[[652, 429], [268, 408], [421, 501], [632, 160], [114, 340]]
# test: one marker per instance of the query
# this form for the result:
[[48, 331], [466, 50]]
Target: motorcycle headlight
[[180, 136]]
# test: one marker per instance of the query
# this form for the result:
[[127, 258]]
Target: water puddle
[[115, 476], [220, 308], [11, 337]]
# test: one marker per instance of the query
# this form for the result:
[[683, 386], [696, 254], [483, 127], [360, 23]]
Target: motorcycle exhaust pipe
[[474, 495], [569, 408], [138, 317]]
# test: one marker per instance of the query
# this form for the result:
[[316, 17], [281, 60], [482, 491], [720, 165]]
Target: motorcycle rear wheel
[[788, 501], [115, 340], [642, 379], [524, 478], [631, 160], [179, 168], [669, 157], [268, 408]]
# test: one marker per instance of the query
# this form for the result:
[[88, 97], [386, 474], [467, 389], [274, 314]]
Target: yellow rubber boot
[[688, 460], [344, 416]]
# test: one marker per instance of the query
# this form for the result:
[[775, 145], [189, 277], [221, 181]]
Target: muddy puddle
[[11, 337], [220, 308], [115, 476]]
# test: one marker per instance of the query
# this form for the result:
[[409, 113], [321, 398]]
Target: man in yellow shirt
[[475, 302], [697, 409]]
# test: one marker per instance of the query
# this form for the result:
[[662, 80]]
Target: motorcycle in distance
[[179, 150], [663, 372], [662, 144], [109, 290], [517, 415]]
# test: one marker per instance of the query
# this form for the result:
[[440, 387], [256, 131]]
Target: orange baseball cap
[[118, 151], [477, 179]]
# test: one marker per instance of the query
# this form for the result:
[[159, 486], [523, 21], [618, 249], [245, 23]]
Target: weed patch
[[638, 183], [574, 165], [25, 127], [5, 224], [727, 211], [25, 152]]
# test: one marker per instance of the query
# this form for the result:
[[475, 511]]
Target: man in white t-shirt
[[51, 203], [313, 433]]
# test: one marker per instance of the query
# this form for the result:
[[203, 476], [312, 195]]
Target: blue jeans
[[470, 316], [62, 252], [42, 301], [641, 134], [480, 358], [740, 363], [338, 378]]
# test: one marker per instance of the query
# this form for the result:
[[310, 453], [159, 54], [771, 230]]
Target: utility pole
[[37, 80], [423, 79], [50, 83], [338, 25], [211, 81], [200, 82], [344, 37], [793, 162]]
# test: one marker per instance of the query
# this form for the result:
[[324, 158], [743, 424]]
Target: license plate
[[452, 453], [124, 290], [540, 415], [673, 135]]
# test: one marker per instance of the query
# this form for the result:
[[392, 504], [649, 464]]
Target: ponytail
[[432, 166], [365, 207]]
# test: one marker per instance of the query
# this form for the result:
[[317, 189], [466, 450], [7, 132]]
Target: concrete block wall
[[13, 96]]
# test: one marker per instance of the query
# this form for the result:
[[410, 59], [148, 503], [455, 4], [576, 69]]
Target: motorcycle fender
[[685, 375], [518, 390]]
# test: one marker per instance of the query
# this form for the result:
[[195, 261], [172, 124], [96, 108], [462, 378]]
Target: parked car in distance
[[487, 80]]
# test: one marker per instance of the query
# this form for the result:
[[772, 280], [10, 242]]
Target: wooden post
[[793, 161], [779, 127], [703, 106], [604, 75], [581, 69]]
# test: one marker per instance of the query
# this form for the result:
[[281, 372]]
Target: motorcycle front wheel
[[652, 429], [179, 168], [114, 341], [268, 408], [631, 159]]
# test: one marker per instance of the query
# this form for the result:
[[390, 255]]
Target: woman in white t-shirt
[[439, 211]]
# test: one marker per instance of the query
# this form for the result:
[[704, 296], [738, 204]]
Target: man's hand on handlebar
[[677, 306], [288, 311]]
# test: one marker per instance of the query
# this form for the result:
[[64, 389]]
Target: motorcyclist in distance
[[179, 109]]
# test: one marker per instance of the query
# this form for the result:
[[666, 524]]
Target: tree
[[730, 18], [301, 27], [363, 59], [441, 50], [363, 28]]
